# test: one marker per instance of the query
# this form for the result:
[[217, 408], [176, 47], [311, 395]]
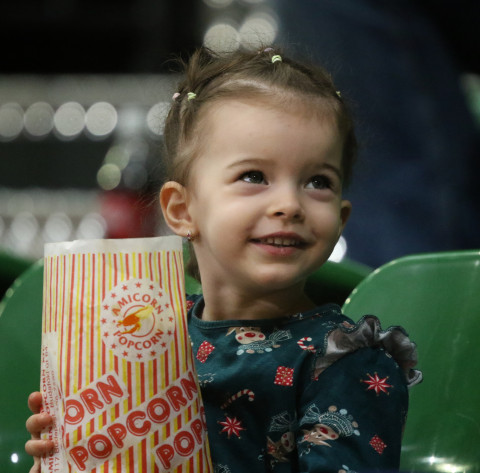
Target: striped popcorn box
[[117, 369]]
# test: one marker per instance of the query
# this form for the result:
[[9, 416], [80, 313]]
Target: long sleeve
[[351, 417]]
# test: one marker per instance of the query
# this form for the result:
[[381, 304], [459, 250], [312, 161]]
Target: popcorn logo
[[137, 321]]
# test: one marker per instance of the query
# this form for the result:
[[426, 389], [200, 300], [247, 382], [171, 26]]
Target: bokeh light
[[101, 119], [258, 29], [11, 121], [69, 120], [156, 117], [222, 37], [109, 176], [38, 119]]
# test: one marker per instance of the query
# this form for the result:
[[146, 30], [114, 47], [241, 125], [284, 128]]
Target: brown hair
[[266, 74]]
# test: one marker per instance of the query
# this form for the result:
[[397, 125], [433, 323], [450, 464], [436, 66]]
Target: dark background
[[410, 68]]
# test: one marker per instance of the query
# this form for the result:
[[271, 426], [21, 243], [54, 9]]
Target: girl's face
[[265, 195]]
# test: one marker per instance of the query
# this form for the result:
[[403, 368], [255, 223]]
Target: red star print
[[151, 287], [153, 353], [124, 287], [138, 284], [113, 295], [105, 307], [104, 321], [377, 384], [125, 353], [139, 356], [231, 426]]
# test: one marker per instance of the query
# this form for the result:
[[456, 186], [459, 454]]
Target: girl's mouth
[[278, 241]]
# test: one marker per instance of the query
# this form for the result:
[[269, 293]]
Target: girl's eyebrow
[[334, 169], [248, 162]]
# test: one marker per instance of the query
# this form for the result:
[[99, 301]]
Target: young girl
[[259, 148]]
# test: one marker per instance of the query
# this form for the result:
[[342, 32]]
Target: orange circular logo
[[137, 320]]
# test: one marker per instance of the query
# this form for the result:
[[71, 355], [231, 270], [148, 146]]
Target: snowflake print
[[377, 384], [232, 426], [204, 351], [284, 376], [378, 444]]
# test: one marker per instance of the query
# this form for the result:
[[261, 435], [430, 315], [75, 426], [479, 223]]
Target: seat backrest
[[436, 298], [20, 341]]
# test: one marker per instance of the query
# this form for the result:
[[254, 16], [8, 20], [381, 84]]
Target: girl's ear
[[174, 204], [345, 211]]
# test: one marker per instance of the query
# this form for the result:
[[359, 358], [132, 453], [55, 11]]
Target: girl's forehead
[[288, 104]]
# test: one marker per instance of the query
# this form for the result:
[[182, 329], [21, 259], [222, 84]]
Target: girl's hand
[[35, 424]]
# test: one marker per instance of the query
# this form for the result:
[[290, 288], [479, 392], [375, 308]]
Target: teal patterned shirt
[[313, 392]]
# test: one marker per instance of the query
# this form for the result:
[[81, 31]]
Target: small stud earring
[[190, 237]]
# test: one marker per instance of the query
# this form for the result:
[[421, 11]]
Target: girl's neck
[[233, 305]]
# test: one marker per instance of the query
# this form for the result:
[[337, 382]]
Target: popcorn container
[[117, 370]]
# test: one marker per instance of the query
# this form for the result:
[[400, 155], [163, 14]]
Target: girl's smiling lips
[[280, 243]]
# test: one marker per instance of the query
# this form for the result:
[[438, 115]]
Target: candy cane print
[[302, 345], [243, 392]]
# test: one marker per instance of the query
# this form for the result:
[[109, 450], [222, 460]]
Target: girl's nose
[[286, 205]]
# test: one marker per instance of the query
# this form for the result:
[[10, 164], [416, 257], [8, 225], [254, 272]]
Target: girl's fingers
[[39, 448], [35, 402], [37, 422]]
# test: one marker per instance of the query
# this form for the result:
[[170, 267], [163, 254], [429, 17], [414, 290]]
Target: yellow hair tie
[[191, 95], [276, 58], [339, 95]]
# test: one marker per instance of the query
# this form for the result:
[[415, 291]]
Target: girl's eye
[[253, 177], [319, 182]]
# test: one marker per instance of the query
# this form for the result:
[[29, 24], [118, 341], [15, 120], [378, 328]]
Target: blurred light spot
[[218, 3], [22, 234], [11, 121], [24, 226], [138, 149], [253, 2], [258, 29], [109, 176], [156, 117], [451, 468], [135, 176], [38, 119], [339, 251], [101, 119], [119, 156], [58, 227], [222, 37], [91, 226], [131, 121], [14, 457], [69, 120]]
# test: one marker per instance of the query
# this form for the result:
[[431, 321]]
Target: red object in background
[[128, 214]]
